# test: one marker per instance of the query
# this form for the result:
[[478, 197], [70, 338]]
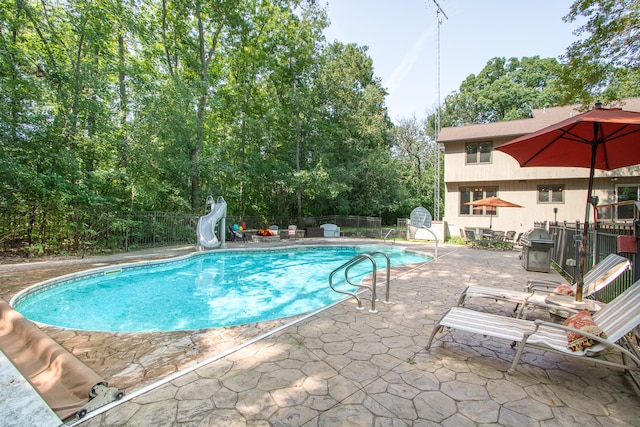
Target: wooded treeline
[[111, 107]]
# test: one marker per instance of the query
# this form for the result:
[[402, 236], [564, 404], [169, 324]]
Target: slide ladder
[[207, 224]]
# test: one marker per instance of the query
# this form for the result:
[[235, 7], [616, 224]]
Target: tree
[[410, 146], [605, 61], [192, 35], [62, 141], [416, 153], [110, 107], [504, 90], [350, 126]]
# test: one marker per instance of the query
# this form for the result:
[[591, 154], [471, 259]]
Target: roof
[[513, 128]]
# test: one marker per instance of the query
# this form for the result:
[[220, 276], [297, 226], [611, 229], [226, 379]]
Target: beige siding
[[502, 167], [520, 185], [525, 194]]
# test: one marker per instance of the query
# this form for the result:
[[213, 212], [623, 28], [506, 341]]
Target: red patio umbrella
[[602, 139], [494, 202]]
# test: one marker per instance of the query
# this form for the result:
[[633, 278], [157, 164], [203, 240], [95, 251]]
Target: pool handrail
[[355, 261]]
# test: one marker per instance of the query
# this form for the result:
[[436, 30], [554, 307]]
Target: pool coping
[[402, 270], [45, 285], [460, 381], [150, 384]]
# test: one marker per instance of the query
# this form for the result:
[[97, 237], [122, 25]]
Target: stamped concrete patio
[[347, 367]]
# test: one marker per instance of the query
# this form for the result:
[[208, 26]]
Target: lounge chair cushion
[[584, 322], [563, 289]]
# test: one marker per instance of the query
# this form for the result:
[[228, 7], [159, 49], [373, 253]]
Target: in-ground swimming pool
[[204, 290]]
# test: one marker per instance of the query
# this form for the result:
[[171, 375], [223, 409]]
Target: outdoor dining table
[[492, 239], [492, 235], [486, 233]]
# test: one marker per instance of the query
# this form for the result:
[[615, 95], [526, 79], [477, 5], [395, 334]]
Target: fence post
[[634, 257], [126, 233]]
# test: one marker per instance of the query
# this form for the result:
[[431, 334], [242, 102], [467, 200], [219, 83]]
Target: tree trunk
[[298, 141]]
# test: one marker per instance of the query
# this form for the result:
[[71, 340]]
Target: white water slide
[[207, 224]]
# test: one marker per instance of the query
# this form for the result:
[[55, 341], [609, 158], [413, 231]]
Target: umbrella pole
[[583, 257], [585, 233]]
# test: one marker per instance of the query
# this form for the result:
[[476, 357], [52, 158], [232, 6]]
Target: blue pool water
[[207, 290]]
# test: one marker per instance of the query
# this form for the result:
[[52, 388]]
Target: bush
[[455, 240]]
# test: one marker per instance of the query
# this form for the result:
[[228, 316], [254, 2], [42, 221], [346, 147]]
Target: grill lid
[[536, 235]]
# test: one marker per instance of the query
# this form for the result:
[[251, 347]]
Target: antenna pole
[[436, 193]]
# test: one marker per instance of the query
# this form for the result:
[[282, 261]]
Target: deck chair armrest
[[533, 285], [547, 292], [597, 338], [608, 343]]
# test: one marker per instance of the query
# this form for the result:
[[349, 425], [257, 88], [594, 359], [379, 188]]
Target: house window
[[550, 193], [468, 194], [626, 193], [478, 152]]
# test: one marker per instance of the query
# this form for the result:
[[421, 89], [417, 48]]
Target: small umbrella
[[602, 138], [494, 202]]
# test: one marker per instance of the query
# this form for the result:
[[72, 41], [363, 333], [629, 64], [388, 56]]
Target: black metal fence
[[401, 226], [161, 228], [124, 232], [350, 225], [604, 238], [155, 229]]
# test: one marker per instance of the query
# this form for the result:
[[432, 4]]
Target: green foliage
[[111, 108], [604, 63], [455, 240], [505, 90], [116, 107], [417, 154]]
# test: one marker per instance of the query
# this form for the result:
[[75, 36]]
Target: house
[[473, 170]]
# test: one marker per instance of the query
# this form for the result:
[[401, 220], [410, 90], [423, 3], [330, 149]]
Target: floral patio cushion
[[584, 322], [563, 289]]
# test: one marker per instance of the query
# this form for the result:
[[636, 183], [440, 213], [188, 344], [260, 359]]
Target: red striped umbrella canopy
[[494, 202], [602, 139]]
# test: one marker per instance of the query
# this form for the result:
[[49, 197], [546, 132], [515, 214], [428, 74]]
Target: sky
[[402, 40]]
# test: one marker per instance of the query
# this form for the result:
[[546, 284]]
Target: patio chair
[[509, 236], [498, 236], [617, 319], [486, 233], [496, 241], [470, 238], [536, 292], [509, 239], [517, 242]]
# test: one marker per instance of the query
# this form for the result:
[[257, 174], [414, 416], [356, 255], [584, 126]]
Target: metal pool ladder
[[352, 263]]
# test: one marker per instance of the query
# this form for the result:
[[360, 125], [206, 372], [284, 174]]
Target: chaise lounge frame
[[536, 291], [617, 319]]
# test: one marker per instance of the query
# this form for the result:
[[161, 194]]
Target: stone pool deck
[[340, 366]]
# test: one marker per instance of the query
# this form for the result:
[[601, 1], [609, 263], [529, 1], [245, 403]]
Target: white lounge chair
[[331, 230], [536, 292], [616, 320]]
